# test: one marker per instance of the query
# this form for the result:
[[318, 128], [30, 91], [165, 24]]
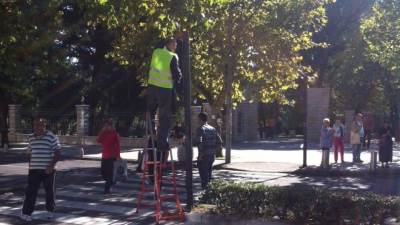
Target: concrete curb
[[206, 218]]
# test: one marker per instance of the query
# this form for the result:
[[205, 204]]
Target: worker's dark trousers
[[35, 178], [204, 163], [161, 98]]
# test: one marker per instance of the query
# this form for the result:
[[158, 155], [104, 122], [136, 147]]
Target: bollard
[[5, 148], [325, 159], [81, 152], [374, 156]]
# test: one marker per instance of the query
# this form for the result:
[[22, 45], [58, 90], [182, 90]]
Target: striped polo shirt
[[42, 149]]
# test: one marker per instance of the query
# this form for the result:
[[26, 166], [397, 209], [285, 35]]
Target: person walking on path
[[338, 146], [164, 75], [356, 137], [44, 152], [4, 131], [109, 140], [368, 124], [326, 137], [207, 140], [385, 145]]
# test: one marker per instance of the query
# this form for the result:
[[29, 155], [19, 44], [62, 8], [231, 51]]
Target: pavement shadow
[[389, 185], [277, 144]]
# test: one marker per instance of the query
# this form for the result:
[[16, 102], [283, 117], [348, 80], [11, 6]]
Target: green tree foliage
[[340, 33], [26, 54], [344, 66], [381, 31], [267, 37], [100, 49]]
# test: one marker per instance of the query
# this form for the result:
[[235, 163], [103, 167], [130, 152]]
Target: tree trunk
[[228, 85]]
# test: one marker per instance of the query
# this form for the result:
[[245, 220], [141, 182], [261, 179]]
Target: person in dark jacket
[[207, 140], [385, 144]]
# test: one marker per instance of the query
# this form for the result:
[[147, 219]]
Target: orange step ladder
[[159, 162]]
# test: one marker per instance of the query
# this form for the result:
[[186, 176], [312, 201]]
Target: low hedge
[[300, 204]]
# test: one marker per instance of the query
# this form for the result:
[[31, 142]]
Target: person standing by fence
[[368, 127], [326, 142], [44, 152], [109, 140], [356, 137], [338, 146], [4, 132], [385, 144]]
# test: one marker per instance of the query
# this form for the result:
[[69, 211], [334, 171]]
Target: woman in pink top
[[338, 146]]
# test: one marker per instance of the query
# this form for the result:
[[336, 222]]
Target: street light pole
[[305, 82], [187, 82]]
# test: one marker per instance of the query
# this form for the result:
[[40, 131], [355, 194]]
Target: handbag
[[120, 170], [355, 138]]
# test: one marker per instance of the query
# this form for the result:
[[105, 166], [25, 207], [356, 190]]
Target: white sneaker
[[25, 217]]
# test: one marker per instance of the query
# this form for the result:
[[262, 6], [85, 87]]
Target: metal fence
[[58, 123], [125, 123]]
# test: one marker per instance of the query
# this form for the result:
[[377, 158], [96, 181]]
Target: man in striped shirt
[[44, 152]]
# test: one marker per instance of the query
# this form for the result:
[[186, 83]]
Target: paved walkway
[[80, 198], [79, 185]]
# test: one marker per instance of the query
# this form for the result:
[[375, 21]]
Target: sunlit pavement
[[80, 198], [79, 184]]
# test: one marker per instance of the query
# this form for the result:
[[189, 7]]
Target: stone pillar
[[14, 121], [317, 110], [82, 120], [348, 119], [245, 122], [212, 117], [237, 124], [234, 124], [195, 118], [250, 116]]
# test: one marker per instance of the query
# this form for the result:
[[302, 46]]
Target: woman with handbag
[[385, 145], [109, 140]]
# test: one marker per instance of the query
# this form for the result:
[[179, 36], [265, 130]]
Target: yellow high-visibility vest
[[160, 71]]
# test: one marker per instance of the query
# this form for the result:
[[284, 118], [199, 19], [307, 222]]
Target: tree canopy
[[381, 31], [100, 50]]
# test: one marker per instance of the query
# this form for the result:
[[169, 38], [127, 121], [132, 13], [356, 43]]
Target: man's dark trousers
[[161, 98], [107, 172], [204, 163], [35, 178]]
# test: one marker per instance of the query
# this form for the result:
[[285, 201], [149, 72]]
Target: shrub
[[300, 204]]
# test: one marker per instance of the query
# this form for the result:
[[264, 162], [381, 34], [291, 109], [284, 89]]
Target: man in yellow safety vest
[[163, 76]]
